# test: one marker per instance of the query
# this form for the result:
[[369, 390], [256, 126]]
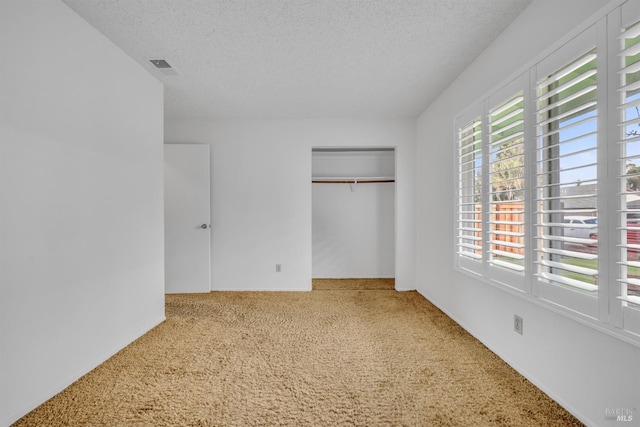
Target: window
[[629, 211], [548, 203], [506, 188], [567, 182], [469, 215]]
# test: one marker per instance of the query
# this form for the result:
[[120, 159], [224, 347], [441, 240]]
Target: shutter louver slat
[[573, 254], [509, 138], [569, 267], [571, 113], [633, 121], [509, 244], [577, 182], [632, 50], [568, 99], [633, 68], [630, 140], [509, 265], [631, 87], [631, 32], [567, 169], [568, 70], [578, 284], [630, 104], [576, 124]]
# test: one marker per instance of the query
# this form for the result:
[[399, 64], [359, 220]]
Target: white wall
[[584, 369], [81, 258], [261, 194]]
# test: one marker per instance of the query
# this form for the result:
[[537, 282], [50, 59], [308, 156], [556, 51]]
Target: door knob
[[205, 226]]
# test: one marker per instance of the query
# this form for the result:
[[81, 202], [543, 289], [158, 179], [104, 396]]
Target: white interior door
[[187, 218]]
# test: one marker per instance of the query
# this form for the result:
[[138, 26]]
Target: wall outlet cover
[[517, 324]]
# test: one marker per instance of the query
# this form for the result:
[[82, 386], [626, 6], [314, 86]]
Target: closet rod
[[352, 181]]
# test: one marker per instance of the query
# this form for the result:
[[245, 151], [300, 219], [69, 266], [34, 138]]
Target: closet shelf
[[351, 179]]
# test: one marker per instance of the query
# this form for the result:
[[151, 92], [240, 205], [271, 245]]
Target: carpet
[[352, 284], [320, 358]]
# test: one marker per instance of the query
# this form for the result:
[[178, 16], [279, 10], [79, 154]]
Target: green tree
[[477, 188], [507, 171], [633, 181]]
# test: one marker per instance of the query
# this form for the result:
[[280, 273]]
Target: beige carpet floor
[[353, 284], [320, 358]]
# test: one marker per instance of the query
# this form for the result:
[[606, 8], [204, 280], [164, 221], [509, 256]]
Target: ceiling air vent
[[163, 67]]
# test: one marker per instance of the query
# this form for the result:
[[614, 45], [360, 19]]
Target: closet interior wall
[[353, 213]]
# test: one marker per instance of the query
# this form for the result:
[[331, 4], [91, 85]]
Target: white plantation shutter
[[547, 202], [469, 203], [567, 180], [506, 184], [630, 165]]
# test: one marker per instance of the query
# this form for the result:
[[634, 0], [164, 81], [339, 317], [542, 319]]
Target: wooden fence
[[502, 219]]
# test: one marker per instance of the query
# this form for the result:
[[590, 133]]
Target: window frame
[[565, 296], [500, 275]]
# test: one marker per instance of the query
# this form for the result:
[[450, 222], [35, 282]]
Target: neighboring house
[[587, 203], [581, 197], [633, 203]]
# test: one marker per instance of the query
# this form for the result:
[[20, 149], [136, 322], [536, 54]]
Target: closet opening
[[353, 218]]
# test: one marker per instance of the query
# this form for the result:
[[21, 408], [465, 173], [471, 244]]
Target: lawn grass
[[586, 263], [578, 262]]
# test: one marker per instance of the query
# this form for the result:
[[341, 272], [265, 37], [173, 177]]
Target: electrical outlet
[[278, 268], [517, 324]]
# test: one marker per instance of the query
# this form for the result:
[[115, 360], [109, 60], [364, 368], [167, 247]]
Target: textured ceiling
[[302, 58]]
